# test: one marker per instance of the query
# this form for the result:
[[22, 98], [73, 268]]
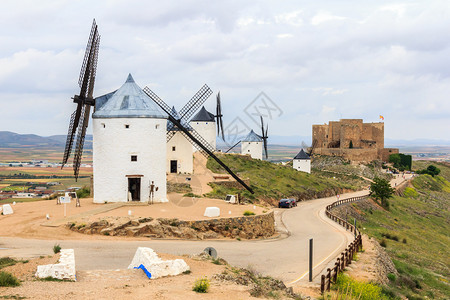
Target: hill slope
[[271, 182], [15, 140], [415, 232]]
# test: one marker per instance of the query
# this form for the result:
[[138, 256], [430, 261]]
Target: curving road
[[285, 258]]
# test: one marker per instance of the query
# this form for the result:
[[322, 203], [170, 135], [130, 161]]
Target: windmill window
[[173, 148], [127, 126], [156, 126], [248, 150], [103, 124], [133, 157]]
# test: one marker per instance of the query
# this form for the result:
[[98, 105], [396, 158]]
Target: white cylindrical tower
[[302, 162], [205, 124], [252, 145], [129, 147]]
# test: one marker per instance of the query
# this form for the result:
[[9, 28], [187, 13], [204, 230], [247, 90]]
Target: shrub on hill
[[381, 190], [430, 170]]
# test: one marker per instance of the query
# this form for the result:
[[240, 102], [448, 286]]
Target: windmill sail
[[193, 136], [79, 119]]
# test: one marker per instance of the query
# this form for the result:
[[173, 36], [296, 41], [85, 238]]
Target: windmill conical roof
[[302, 155], [129, 101], [203, 116], [175, 114], [252, 137]]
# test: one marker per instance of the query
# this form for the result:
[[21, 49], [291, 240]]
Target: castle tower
[[302, 162], [252, 144], [129, 147], [205, 124]]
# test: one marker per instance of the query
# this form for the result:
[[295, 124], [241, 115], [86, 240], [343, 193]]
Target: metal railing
[[346, 256]]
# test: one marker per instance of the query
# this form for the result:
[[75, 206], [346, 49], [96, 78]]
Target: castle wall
[[367, 140], [351, 131], [319, 134]]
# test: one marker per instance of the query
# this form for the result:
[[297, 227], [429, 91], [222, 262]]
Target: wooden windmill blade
[[265, 142], [232, 147], [86, 54], [83, 82], [195, 103], [198, 142], [219, 117], [79, 120], [264, 136]]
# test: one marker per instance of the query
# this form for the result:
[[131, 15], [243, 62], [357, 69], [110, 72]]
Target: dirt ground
[[29, 218], [123, 284]]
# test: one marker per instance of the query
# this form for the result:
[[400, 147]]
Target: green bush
[[248, 213], [410, 193], [84, 192], [383, 243], [7, 261], [430, 170], [362, 290], [391, 277], [381, 189], [201, 285], [56, 248], [7, 279]]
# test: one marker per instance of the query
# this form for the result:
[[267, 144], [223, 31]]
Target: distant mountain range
[[14, 140]]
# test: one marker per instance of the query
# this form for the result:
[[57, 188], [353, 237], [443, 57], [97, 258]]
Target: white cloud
[[325, 16], [362, 59]]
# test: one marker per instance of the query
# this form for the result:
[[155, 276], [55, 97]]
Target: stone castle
[[351, 139]]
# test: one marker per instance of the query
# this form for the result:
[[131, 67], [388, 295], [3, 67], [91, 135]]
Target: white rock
[[64, 269], [7, 209], [212, 212], [155, 265]]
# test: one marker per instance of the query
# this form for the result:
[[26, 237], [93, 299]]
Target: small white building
[[204, 123], [129, 147], [252, 145], [302, 162], [180, 154]]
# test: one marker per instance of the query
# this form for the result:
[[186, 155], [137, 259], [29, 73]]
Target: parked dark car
[[288, 203]]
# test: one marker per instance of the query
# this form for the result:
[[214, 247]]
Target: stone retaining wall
[[64, 269], [246, 227]]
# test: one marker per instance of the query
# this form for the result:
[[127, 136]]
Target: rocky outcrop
[[384, 264], [248, 227]]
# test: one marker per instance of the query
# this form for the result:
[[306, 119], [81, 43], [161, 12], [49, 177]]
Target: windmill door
[[134, 187], [173, 166]]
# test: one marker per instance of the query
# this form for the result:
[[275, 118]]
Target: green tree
[[381, 190], [433, 170]]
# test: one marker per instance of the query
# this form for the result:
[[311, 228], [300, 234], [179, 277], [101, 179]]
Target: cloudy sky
[[314, 60]]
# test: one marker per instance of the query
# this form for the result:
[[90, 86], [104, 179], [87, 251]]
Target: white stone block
[[7, 209], [155, 265], [212, 212], [64, 269]]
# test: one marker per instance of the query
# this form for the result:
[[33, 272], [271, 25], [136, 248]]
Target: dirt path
[[125, 284]]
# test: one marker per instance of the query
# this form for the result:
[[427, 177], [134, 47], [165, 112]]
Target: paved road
[[285, 258]]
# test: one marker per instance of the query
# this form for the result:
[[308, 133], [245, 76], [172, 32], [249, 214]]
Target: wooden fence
[[346, 256]]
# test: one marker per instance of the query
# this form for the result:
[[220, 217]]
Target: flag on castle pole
[[381, 117]]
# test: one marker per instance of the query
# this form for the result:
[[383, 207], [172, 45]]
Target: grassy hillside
[[271, 182], [416, 233]]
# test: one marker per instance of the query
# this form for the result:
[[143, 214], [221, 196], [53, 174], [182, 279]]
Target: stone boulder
[[155, 265], [64, 269]]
